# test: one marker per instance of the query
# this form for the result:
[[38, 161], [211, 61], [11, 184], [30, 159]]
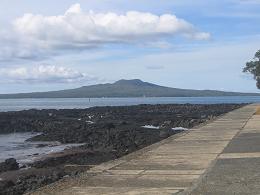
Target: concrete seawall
[[206, 160]]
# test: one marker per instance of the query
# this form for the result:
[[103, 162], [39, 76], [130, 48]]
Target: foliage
[[253, 67]]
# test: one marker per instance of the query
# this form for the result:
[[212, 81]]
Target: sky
[[51, 45]]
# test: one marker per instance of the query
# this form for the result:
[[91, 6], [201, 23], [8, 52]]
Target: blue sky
[[52, 45]]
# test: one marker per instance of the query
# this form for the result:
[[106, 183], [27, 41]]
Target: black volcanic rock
[[9, 165], [117, 127]]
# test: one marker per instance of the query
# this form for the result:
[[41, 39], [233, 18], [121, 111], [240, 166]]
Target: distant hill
[[125, 88]]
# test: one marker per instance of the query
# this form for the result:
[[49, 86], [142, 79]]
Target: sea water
[[14, 145], [70, 103]]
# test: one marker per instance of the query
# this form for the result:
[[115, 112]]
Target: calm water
[[22, 104], [15, 146]]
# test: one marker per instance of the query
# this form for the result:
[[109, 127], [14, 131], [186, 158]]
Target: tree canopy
[[253, 67]]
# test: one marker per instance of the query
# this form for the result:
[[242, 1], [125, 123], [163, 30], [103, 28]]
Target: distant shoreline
[[125, 97], [125, 89]]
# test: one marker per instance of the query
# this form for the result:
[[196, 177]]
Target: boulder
[[9, 165]]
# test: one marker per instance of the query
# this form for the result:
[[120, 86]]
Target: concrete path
[[237, 169], [221, 157]]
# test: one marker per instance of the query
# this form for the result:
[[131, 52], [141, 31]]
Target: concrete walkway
[[237, 169], [222, 157]]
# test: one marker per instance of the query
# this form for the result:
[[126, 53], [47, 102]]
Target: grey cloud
[[155, 67], [43, 74]]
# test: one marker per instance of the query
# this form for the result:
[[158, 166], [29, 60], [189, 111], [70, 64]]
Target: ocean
[[69, 103], [14, 145]]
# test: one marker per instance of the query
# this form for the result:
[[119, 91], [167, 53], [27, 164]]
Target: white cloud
[[77, 29], [43, 74], [35, 36]]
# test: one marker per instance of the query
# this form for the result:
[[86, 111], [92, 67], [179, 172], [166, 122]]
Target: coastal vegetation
[[253, 67]]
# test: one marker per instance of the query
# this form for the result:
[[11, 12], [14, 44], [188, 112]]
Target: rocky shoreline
[[106, 132]]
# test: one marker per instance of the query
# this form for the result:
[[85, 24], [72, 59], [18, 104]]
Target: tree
[[253, 67]]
